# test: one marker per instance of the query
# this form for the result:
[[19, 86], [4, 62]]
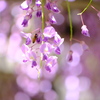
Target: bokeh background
[[76, 80]]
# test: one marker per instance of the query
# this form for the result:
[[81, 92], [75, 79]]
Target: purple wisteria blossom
[[29, 55], [38, 3], [55, 8], [52, 19], [40, 46], [85, 31], [57, 50], [48, 5], [34, 63], [25, 5], [26, 19], [27, 36], [38, 13], [51, 62], [49, 32], [46, 48], [58, 40]]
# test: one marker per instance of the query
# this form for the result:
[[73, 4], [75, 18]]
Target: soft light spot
[[16, 10], [51, 95], [32, 88], [84, 83], [72, 82], [21, 96], [45, 86], [72, 95], [75, 70], [3, 5], [77, 48], [59, 18], [32, 72], [2, 42]]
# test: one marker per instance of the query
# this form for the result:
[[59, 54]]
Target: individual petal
[[58, 40], [38, 3], [45, 57], [46, 48], [85, 31], [25, 60], [48, 5], [24, 5], [38, 13], [32, 56], [25, 48], [49, 32], [26, 35], [25, 22], [55, 9], [52, 19], [48, 68], [26, 19], [51, 62], [45, 39], [28, 41], [57, 51], [39, 39], [29, 2], [34, 63]]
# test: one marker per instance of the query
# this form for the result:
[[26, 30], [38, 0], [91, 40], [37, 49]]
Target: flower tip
[[69, 56], [85, 31]]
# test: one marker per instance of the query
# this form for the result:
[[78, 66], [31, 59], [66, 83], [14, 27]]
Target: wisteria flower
[[85, 31], [26, 19], [38, 3], [27, 36], [38, 13], [48, 5], [58, 40], [52, 19], [29, 55], [55, 8], [34, 63], [46, 48], [25, 4], [57, 50], [49, 32], [51, 62]]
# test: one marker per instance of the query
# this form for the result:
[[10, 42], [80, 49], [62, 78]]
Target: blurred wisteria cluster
[[49, 50]]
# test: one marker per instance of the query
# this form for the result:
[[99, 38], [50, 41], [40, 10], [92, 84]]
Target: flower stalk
[[70, 21], [85, 8], [43, 16]]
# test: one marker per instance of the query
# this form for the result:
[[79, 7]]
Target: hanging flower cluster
[[40, 46]]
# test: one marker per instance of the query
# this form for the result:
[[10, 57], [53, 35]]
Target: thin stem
[[85, 8], [43, 17], [94, 8], [76, 40], [70, 21], [82, 19]]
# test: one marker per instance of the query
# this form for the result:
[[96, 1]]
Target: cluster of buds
[[50, 6], [41, 44]]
